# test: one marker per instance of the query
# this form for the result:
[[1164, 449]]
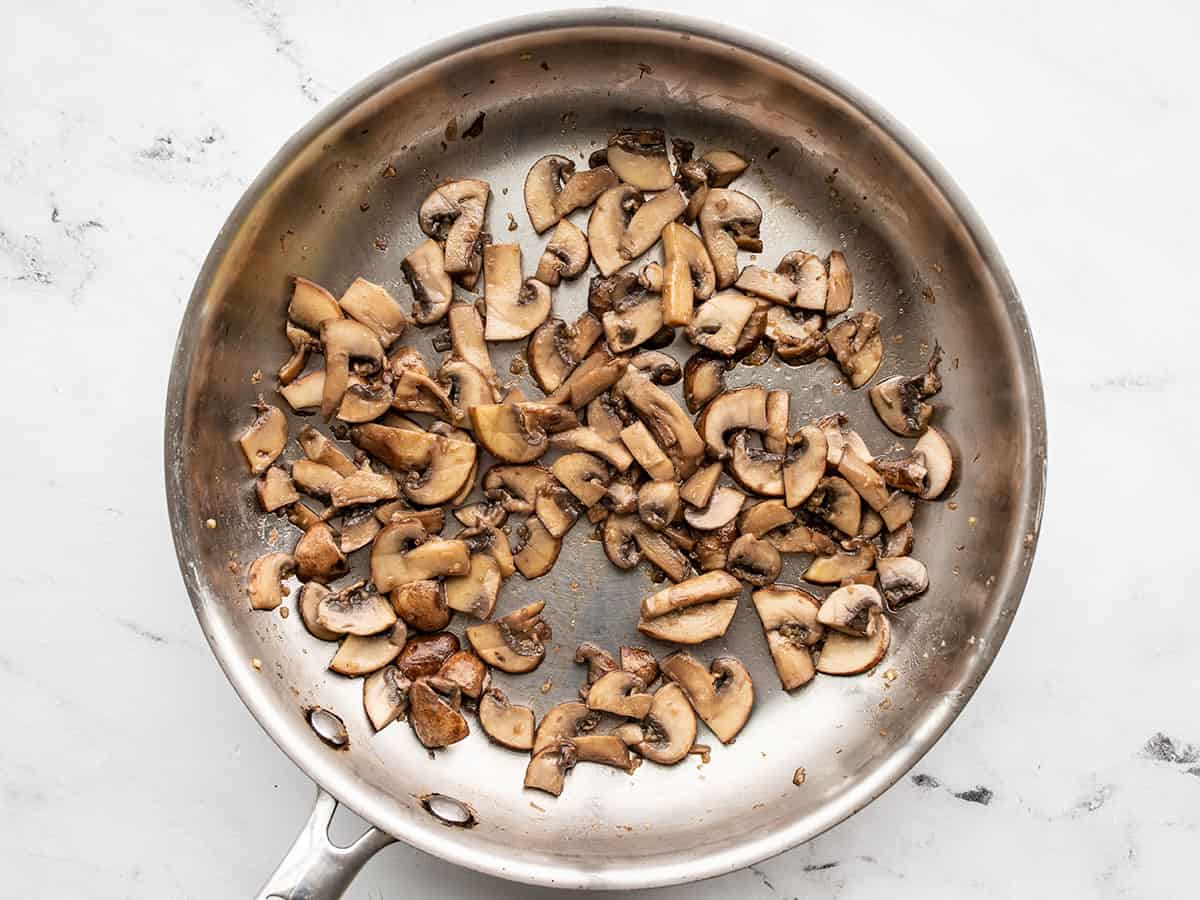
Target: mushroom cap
[[564, 722], [343, 340], [899, 407], [722, 508], [789, 619], [450, 468], [729, 220], [582, 189], [639, 158], [318, 556], [854, 609], [745, 407], [867, 482], [640, 662], [556, 348], [547, 768], [804, 464], [542, 186], [670, 727], [265, 577], [754, 560], [422, 605], [902, 579], [425, 654], [467, 672], [844, 654], [764, 516], [658, 503], [662, 552], [610, 217], [754, 468], [508, 433], [507, 725], [359, 655], [661, 368], [722, 696], [385, 696]]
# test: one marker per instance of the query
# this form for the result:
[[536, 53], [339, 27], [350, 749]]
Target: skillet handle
[[315, 868]]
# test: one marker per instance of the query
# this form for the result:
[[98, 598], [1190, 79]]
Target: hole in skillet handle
[[329, 727], [449, 811]]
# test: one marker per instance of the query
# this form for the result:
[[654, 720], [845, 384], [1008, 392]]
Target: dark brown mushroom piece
[[556, 349], [640, 662], [907, 473], [765, 516], [803, 539], [703, 379], [467, 672], [318, 556], [425, 654], [435, 713], [422, 605]]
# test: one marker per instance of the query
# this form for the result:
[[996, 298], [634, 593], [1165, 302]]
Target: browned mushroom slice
[[670, 425], [661, 368], [900, 400], [314, 479], [899, 543], [807, 274], [385, 696], [841, 285], [514, 308], [453, 214], [599, 662], [744, 408], [435, 714], [355, 612], [364, 486], [722, 696], [858, 347], [509, 432], [311, 304], [766, 284], [729, 221], [620, 540], [265, 439], [275, 489], [722, 508], [703, 379], [854, 609], [583, 475], [669, 730], [344, 340], [835, 501], [865, 480], [393, 565], [311, 596], [538, 550], [798, 339], [422, 605], [775, 438], [754, 560], [320, 449], [620, 693], [902, 579], [764, 516], [590, 441], [645, 450], [264, 580], [464, 386], [658, 503], [639, 157], [467, 672], [425, 654], [804, 464], [607, 224], [660, 551], [640, 662], [417, 392], [693, 625], [557, 509], [700, 589], [303, 344], [939, 462], [475, 592], [844, 654], [606, 292], [565, 721], [698, 490], [907, 473], [687, 274], [547, 768], [583, 188], [556, 348], [647, 224], [789, 620], [754, 468], [543, 185], [432, 520], [318, 556], [490, 540], [371, 305], [451, 466], [595, 375], [836, 567], [467, 341], [803, 539], [363, 402], [513, 643], [358, 655], [509, 726], [724, 166], [717, 324], [632, 321], [515, 488]]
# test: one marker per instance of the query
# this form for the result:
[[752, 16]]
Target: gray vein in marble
[[152, 636], [978, 794], [1132, 381], [270, 21], [1166, 749], [922, 780]]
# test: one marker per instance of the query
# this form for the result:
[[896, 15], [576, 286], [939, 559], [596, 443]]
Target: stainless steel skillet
[[831, 170]]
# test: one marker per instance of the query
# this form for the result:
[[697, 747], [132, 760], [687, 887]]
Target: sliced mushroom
[[835, 501], [318, 556], [646, 452], [658, 503], [809, 278], [722, 696], [907, 473], [607, 224], [900, 401], [599, 662], [724, 166], [632, 321], [513, 643], [595, 375], [507, 725], [803, 539], [754, 560], [364, 486], [475, 592], [356, 612], [585, 476], [620, 693], [661, 368], [854, 609], [902, 579], [687, 275], [275, 489], [717, 324], [789, 620], [465, 387], [547, 769], [543, 185], [871, 525], [265, 439], [371, 305], [385, 696], [425, 654], [698, 489], [619, 539], [583, 188], [722, 508], [899, 543], [320, 449], [513, 309], [417, 392], [590, 441], [563, 722], [358, 530], [754, 468], [303, 344], [467, 672], [509, 432], [804, 464], [434, 713], [647, 224], [311, 304], [865, 480], [700, 589], [453, 214], [836, 567], [729, 221], [841, 285], [670, 425], [539, 550], [311, 596], [639, 157], [315, 479], [798, 339], [766, 284], [744, 408], [775, 438], [669, 730], [934, 449], [358, 655], [451, 466], [663, 553], [651, 276], [556, 348], [555, 506], [693, 625], [264, 580], [425, 271], [363, 402], [467, 340], [764, 516], [843, 654], [422, 605], [607, 292], [344, 340], [436, 557], [858, 347], [491, 541]]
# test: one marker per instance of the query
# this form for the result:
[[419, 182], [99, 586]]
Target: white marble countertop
[[127, 133]]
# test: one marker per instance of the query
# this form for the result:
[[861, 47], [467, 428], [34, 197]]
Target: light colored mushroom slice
[[639, 157], [871, 525], [275, 489], [451, 467], [698, 490], [417, 392], [722, 696], [566, 721], [900, 401], [513, 309], [434, 711], [620, 540], [355, 612], [371, 305], [803, 539], [516, 488], [555, 506], [764, 516], [344, 340], [725, 166], [265, 439], [766, 284], [475, 592], [843, 654], [425, 271], [722, 508], [804, 464], [669, 730], [754, 560], [939, 462], [508, 433], [700, 589], [467, 340], [491, 541], [658, 503], [687, 274], [311, 304], [717, 324], [744, 408], [789, 620], [605, 749], [453, 214], [775, 438], [640, 662], [436, 557], [841, 285], [620, 693], [865, 480], [807, 274], [858, 347], [647, 224], [385, 697], [661, 368], [645, 450], [671, 426], [835, 501], [513, 643], [318, 556], [607, 223], [693, 625], [547, 769], [729, 221], [902, 579], [632, 321], [320, 449], [364, 486], [754, 468], [853, 609], [467, 672], [363, 402], [422, 605], [837, 567], [566, 255], [432, 520], [311, 596], [483, 513], [358, 655], [538, 551], [703, 379], [660, 551], [264, 580], [464, 386], [543, 184], [556, 348], [899, 542], [595, 375], [599, 662], [584, 475], [303, 344], [583, 188], [509, 726], [315, 479], [399, 448], [898, 511], [590, 441]]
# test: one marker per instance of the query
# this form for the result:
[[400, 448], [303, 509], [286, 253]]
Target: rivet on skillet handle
[[315, 868]]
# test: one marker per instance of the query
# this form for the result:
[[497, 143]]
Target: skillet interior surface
[[340, 201]]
